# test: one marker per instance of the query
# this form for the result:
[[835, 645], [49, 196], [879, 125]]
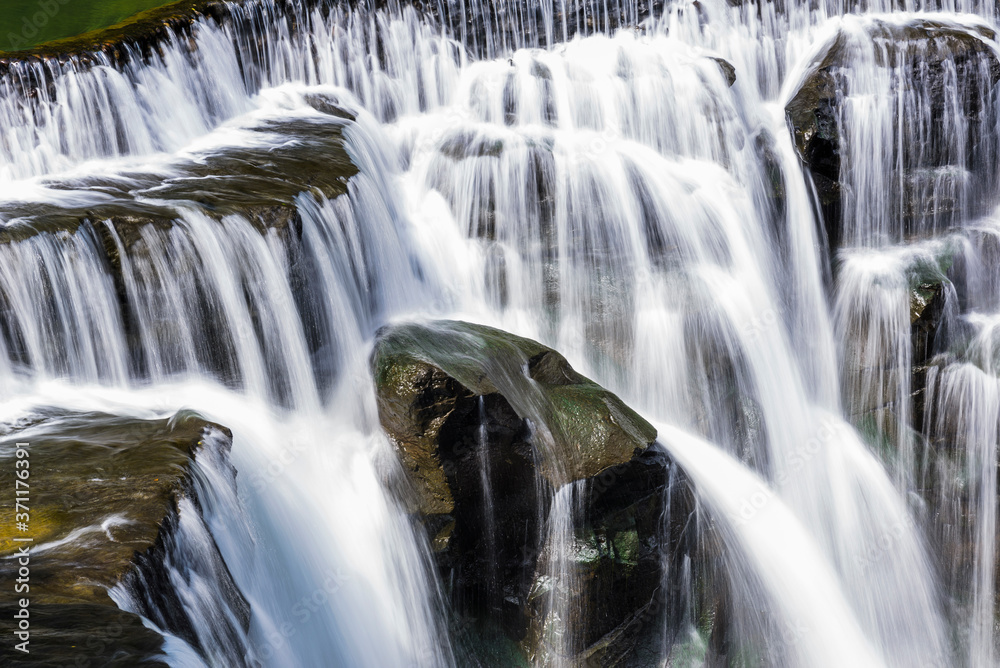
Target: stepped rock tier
[[111, 500]]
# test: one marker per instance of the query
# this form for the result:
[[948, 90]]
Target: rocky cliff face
[[938, 65]]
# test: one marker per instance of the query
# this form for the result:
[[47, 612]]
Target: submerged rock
[[105, 498], [728, 69]]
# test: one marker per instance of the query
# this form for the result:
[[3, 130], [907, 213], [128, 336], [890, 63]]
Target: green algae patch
[[99, 488], [50, 27]]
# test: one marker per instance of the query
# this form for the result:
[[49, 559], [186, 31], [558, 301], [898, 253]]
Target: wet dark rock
[[88, 634], [105, 497], [580, 428], [933, 300], [946, 54], [728, 70], [487, 426], [620, 601], [258, 182], [927, 311], [262, 183], [328, 104], [813, 116]]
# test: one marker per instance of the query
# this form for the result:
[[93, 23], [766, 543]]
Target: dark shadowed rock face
[[487, 426], [945, 65], [928, 332], [88, 634], [106, 493], [621, 601]]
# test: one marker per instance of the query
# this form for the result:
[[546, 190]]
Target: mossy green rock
[[488, 425], [579, 428], [76, 26], [101, 490]]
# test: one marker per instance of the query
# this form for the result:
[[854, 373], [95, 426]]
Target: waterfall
[[821, 632], [769, 226]]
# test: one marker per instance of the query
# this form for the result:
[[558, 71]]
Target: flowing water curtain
[[178, 293], [879, 299], [903, 311], [959, 426], [52, 326], [634, 236], [724, 308], [963, 428], [921, 102], [596, 216]]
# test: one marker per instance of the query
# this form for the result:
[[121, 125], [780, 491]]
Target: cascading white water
[[613, 195], [818, 632], [969, 409], [296, 423], [560, 578]]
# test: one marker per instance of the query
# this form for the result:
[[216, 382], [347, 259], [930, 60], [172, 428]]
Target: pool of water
[[28, 23]]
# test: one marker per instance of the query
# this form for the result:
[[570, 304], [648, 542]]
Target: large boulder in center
[[488, 426], [422, 371]]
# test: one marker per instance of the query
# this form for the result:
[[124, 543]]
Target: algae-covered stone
[[108, 480], [103, 493], [415, 399], [580, 428]]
